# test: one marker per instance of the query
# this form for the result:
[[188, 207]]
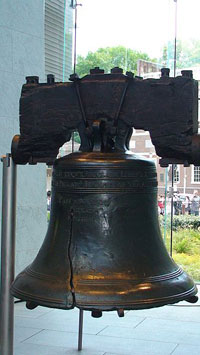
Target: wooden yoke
[[166, 107]]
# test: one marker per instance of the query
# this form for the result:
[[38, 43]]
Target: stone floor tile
[[21, 310], [59, 324], [119, 332], [182, 312], [162, 330], [23, 333], [67, 320], [184, 349], [34, 349], [94, 343]]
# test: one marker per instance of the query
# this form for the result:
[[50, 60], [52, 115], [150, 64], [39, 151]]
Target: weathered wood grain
[[166, 107]]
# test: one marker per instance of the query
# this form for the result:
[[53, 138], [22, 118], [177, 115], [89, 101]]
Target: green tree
[[77, 137], [110, 57], [164, 56], [187, 54]]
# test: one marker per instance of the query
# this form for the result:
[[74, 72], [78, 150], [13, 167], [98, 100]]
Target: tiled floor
[[160, 331]]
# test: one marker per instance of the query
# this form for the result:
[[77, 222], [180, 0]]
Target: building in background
[[22, 54], [186, 179], [58, 38], [147, 68]]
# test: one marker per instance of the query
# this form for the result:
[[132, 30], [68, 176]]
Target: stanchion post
[[7, 254], [80, 330]]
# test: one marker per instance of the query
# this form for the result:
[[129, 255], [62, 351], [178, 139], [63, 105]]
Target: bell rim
[[108, 306], [183, 296]]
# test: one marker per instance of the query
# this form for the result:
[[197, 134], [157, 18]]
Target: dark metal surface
[[103, 249], [166, 107]]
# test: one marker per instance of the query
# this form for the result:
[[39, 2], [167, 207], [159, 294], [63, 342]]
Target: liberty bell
[[103, 250]]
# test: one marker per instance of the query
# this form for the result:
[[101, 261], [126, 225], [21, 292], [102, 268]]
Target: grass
[[189, 263], [186, 249]]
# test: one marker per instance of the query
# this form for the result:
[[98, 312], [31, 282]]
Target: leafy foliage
[[187, 53], [183, 222], [77, 137], [110, 57], [189, 263], [186, 243]]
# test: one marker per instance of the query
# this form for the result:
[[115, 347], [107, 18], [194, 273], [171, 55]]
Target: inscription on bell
[[103, 184], [98, 174]]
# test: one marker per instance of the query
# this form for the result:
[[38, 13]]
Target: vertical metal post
[[165, 216], [172, 211], [7, 255], [80, 330], [175, 38]]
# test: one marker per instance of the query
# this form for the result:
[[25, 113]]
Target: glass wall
[[143, 37]]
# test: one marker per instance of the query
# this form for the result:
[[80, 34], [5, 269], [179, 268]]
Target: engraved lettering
[[110, 173]]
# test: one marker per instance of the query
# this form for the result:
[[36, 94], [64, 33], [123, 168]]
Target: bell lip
[[44, 284], [141, 304], [40, 301]]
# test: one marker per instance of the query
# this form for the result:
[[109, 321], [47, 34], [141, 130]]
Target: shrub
[[182, 246], [183, 222], [186, 243]]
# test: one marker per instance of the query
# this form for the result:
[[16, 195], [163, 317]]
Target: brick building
[[186, 179]]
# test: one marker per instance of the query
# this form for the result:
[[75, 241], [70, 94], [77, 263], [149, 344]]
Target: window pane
[[196, 173]]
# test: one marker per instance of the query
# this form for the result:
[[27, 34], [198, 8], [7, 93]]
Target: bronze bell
[[103, 250]]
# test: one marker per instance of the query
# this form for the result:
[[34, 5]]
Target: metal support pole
[[80, 331], [7, 255], [172, 211]]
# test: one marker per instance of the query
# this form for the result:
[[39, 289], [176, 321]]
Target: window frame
[[192, 175], [177, 167]]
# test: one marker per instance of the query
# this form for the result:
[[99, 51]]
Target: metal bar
[[64, 43], [175, 39], [121, 101], [172, 212], [80, 101], [74, 6], [75, 36], [7, 254], [165, 216], [80, 331]]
